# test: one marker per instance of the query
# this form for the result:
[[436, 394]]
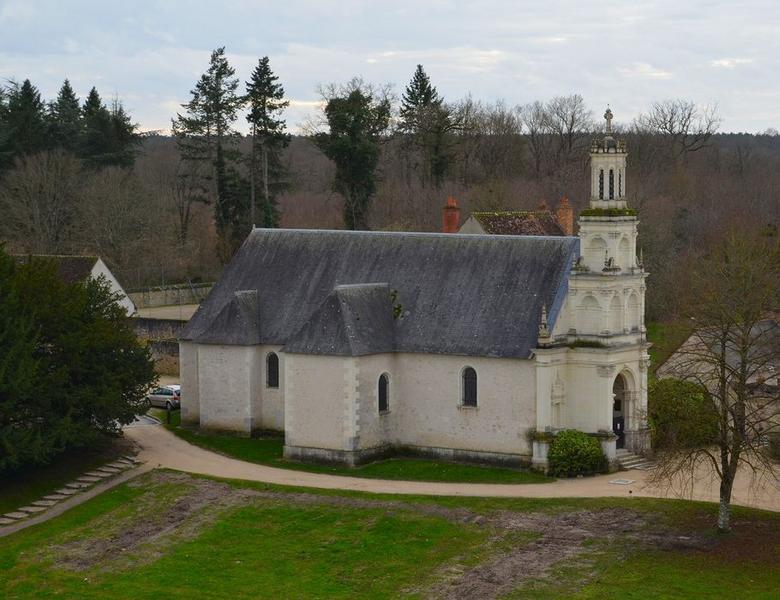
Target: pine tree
[[266, 101], [93, 145], [124, 140], [4, 125], [109, 136], [205, 134], [419, 94], [65, 119], [428, 122], [25, 122]]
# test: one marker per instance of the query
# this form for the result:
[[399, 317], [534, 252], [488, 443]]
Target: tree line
[[99, 134], [368, 158]]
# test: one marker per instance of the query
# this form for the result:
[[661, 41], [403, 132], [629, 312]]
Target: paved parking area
[[182, 312]]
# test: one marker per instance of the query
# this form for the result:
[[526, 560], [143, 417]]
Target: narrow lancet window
[[272, 370], [611, 184], [601, 184], [384, 391], [469, 387]]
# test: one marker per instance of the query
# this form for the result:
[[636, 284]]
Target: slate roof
[[533, 222], [354, 320], [70, 268], [353, 293]]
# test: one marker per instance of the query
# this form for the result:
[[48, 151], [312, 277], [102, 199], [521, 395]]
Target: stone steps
[[628, 460], [82, 483]]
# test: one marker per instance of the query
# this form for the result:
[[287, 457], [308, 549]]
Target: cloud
[[730, 63], [17, 11], [465, 58], [644, 70], [625, 54]]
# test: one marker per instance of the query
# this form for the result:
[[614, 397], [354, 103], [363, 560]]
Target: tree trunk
[[724, 511], [252, 171], [266, 195]]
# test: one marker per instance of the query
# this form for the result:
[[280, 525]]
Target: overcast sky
[[627, 54]]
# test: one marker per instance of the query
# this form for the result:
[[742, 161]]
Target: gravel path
[[161, 448]]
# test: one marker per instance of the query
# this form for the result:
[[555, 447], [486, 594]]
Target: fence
[[186, 293]]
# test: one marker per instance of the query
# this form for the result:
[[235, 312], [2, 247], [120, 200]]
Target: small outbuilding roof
[[354, 293], [70, 268], [531, 222]]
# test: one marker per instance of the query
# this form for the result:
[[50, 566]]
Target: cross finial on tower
[[608, 117]]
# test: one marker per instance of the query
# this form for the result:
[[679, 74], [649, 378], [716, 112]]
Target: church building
[[358, 345]]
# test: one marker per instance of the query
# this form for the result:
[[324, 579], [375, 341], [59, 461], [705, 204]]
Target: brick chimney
[[451, 216], [564, 213]]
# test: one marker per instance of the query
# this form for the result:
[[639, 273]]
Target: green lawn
[[268, 451], [29, 484], [170, 535], [666, 337]]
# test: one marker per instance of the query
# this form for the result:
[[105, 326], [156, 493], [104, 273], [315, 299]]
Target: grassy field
[[26, 485], [666, 337], [268, 451], [171, 535]]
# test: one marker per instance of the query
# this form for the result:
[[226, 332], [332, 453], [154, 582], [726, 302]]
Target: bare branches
[[732, 288], [557, 131], [39, 200], [688, 127]]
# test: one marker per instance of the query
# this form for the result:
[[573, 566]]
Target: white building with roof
[[477, 347]]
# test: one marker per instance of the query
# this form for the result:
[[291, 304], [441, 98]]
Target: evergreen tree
[[25, 122], [65, 119], [357, 120], [109, 136], [4, 127], [124, 139], [18, 376], [419, 94], [71, 367], [205, 134], [428, 123], [266, 102]]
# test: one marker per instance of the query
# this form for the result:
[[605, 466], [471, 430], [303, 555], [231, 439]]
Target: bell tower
[[592, 362], [608, 170], [608, 228]]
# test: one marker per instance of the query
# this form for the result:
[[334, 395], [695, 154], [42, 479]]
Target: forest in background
[[103, 188]]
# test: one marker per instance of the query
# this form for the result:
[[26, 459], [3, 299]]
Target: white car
[[166, 396]]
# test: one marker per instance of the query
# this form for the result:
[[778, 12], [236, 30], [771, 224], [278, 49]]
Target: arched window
[[272, 370], [384, 393], [601, 184], [620, 184], [611, 184], [469, 387]]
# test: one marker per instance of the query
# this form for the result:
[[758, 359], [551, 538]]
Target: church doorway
[[619, 410]]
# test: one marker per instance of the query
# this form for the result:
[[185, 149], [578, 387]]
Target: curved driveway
[[161, 448]]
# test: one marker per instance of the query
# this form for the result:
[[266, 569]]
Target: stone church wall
[[333, 413], [224, 388]]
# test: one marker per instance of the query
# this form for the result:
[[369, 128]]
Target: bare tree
[[533, 117], [730, 293], [39, 200], [687, 126], [570, 122], [500, 149], [116, 218]]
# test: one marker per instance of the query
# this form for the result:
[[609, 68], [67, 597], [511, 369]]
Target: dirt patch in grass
[[753, 541], [562, 538], [522, 546], [152, 527]]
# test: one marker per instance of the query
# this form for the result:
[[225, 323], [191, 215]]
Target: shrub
[[681, 415], [774, 445], [575, 453]]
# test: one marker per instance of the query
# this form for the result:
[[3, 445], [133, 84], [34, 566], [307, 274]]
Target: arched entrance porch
[[621, 397]]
